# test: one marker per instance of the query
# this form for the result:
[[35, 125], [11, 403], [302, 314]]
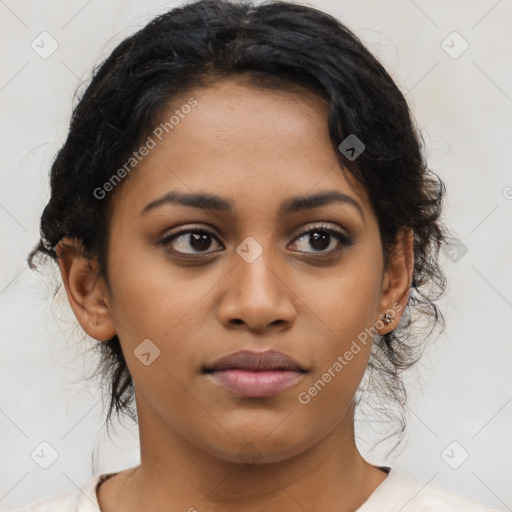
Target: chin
[[258, 449]]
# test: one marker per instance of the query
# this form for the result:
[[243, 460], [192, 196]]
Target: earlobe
[[397, 281], [85, 290]]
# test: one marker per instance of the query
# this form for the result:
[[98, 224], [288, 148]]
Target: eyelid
[[320, 226]]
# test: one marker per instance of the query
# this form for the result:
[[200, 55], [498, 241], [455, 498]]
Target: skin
[[256, 147]]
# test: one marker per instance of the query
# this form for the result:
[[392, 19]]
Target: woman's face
[[262, 280]]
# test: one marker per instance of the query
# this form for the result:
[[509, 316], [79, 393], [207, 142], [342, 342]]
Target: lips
[[255, 361], [255, 374]]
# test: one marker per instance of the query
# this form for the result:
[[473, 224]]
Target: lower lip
[[256, 384]]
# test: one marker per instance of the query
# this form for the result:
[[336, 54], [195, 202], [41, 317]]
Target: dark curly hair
[[277, 45]]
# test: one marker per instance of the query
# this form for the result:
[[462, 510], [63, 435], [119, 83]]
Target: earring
[[387, 318], [95, 322]]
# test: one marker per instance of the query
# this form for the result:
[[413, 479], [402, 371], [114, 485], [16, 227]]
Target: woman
[[243, 219]]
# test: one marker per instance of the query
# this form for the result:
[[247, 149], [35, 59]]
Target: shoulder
[[79, 500], [400, 491]]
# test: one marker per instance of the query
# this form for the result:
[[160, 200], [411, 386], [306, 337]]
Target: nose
[[257, 296]]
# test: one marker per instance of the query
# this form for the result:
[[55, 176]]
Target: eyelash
[[345, 240]]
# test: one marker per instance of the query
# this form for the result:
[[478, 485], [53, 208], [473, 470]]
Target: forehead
[[243, 142]]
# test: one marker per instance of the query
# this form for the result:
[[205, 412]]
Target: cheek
[[346, 306], [152, 297], [343, 351], [347, 300], [167, 305]]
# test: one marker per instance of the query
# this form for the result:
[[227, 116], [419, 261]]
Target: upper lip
[[255, 361]]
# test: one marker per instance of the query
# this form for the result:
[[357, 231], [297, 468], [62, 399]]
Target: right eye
[[198, 239]]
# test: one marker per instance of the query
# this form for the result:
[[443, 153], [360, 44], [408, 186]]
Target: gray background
[[461, 392]]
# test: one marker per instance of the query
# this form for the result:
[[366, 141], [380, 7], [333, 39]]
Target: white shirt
[[397, 492]]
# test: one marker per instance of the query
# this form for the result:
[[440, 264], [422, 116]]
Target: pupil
[[318, 240], [199, 241]]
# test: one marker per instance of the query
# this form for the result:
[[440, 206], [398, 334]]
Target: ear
[[397, 280], [87, 293]]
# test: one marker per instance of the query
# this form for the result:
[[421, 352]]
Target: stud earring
[[387, 318], [95, 322]]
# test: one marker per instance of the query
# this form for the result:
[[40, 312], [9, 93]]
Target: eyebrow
[[295, 204]]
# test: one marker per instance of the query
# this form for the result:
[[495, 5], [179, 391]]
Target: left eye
[[322, 237]]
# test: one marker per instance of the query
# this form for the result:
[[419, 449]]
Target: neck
[[330, 475]]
